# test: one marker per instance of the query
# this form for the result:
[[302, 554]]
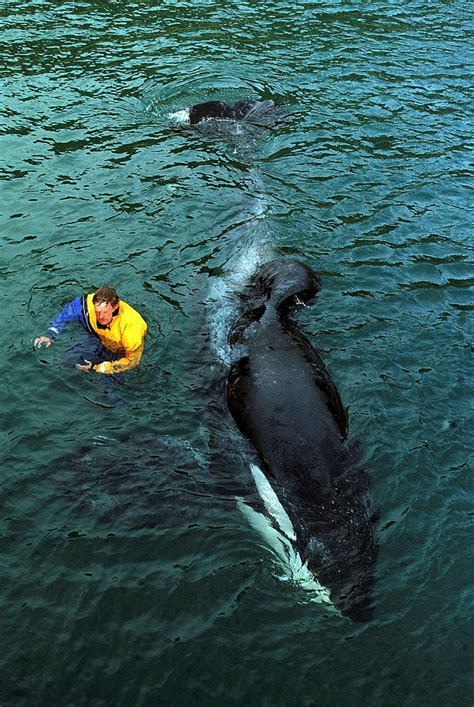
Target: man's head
[[106, 303]]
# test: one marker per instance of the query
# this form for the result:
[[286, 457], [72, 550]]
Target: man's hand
[[40, 341], [84, 367]]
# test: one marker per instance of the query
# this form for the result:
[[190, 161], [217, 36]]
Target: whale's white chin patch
[[279, 537]]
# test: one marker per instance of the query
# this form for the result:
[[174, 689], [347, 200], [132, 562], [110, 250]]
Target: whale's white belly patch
[[279, 537]]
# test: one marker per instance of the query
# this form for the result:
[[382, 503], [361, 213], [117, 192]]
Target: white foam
[[247, 246], [224, 297], [181, 116]]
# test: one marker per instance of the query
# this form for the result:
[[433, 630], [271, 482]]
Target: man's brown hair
[[105, 294]]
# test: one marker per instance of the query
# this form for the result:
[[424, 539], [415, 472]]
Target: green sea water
[[129, 575]]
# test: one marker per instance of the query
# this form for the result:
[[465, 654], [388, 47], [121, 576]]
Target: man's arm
[[71, 312], [129, 360]]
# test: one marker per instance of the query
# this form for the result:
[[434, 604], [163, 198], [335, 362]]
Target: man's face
[[104, 312]]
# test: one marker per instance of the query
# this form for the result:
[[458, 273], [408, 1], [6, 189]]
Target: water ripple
[[120, 537]]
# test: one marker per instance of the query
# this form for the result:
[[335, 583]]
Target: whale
[[246, 110], [220, 109], [283, 399]]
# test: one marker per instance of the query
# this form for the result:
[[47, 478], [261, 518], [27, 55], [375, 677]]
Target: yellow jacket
[[124, 335]]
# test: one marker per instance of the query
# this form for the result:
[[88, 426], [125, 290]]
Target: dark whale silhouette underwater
[[285, 402]]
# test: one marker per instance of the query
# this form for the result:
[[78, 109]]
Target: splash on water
[[180, 117], [224, 303], [247, 249]]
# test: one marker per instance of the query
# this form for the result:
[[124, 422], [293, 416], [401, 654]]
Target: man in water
[[120, 330]]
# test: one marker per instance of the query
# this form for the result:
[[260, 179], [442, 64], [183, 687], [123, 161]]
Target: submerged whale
[[247, 110], [285, 402], [219, 109]]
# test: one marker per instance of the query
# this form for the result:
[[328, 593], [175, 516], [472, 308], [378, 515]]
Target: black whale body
[[283, 399], [258, 113], [219, 109]]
